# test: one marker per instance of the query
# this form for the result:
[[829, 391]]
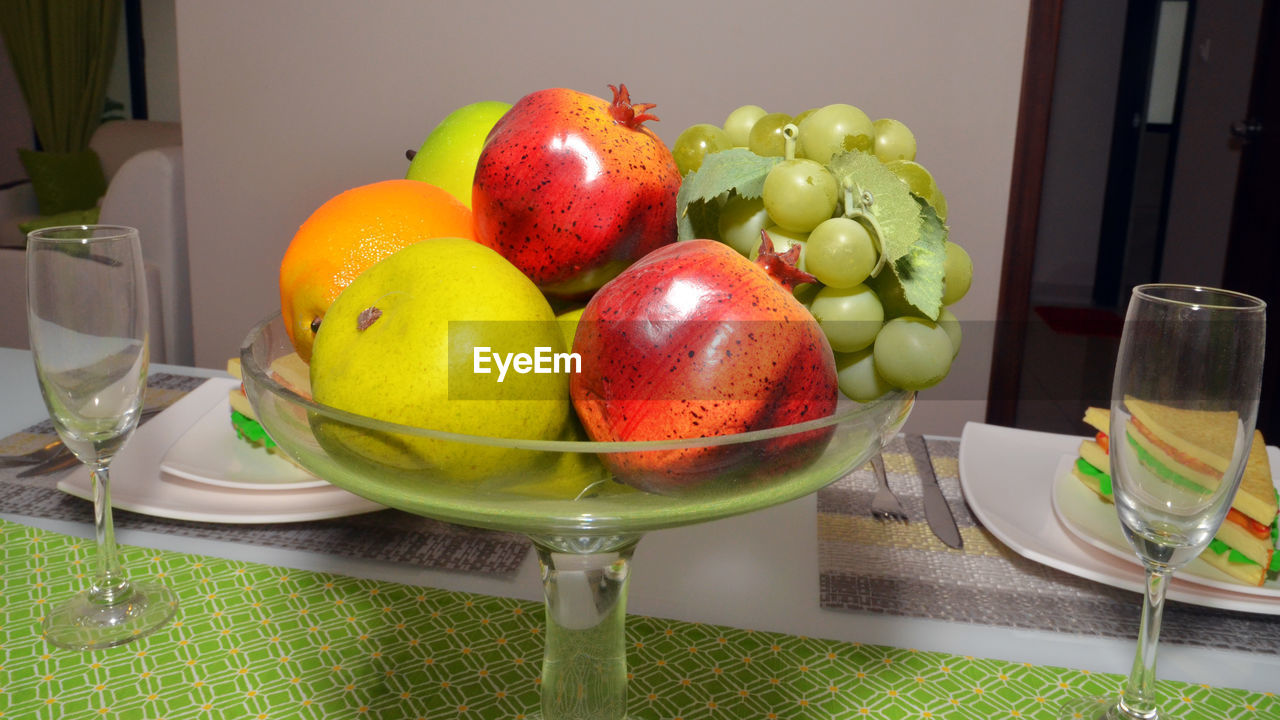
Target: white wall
[[15, 123], [285, 104]]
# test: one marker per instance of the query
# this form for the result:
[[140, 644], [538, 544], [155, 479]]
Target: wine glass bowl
[[88, 326], [584, 504]]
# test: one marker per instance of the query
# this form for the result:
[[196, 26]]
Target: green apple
[[430, 337], [447, 158]]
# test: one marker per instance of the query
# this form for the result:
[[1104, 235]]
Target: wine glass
[[569, 496], [1189, 370], [87, 315]]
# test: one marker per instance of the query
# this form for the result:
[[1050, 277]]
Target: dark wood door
[[1253, 251]]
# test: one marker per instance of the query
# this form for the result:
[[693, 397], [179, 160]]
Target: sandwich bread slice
[[289, 371], [1193, 448]]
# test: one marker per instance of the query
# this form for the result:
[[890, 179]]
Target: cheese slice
[[1247, 573]]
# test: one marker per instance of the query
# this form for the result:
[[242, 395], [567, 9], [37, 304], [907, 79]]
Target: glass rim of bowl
[[846, 411], [1244, 302]]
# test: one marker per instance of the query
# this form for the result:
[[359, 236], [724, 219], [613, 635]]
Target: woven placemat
[[389, 535], [902, 569]]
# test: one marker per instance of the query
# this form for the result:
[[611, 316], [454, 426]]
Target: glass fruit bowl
[[583, 519]]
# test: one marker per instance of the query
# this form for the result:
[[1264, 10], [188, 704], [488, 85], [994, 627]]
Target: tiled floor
[[1062, 374]]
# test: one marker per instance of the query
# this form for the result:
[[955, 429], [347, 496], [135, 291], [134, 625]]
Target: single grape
[[806, 292], [889, 288], [841, 252], [782, 240], [894, 140], [804, 114], [766, 138], [849, 317], [835, 129], [740, 223], [913, 353], [920, 181], [799, 194], [957, 274], [857, 377], [949, 322], [739, 123], [697, 142]]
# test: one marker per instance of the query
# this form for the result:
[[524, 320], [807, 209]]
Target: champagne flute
[[1189, 370], [88, 324]]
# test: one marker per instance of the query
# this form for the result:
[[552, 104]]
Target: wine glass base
[[1105, 707], [82, 624]]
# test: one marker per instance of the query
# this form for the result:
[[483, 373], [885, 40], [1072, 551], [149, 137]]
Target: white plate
[[1007, 476], [137, 486], [210, 452], [1089, 518]]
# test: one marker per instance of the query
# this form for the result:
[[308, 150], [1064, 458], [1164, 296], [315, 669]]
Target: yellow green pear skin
[[447, 158], [569, 324], [398, 345]]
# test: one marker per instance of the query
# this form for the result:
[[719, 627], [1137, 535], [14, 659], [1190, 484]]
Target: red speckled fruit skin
[[562, 188], [695, 340]]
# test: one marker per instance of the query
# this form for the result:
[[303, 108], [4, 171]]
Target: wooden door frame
[[1039, 63]]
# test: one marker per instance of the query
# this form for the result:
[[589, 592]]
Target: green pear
[[569, 324], [420, 339], [447, 158]]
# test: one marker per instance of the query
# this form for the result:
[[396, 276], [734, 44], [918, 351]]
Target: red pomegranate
[[572, 188], [694, 340]]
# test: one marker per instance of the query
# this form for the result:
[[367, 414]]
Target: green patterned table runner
[[260, 642]]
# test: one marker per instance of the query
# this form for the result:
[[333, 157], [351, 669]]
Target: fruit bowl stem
[[584, 665]]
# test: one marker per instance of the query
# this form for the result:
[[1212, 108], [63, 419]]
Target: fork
[[885, 505], [33, 457]]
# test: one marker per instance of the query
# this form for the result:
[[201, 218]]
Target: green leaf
[[891, 202], [919, 271], [737, 170]]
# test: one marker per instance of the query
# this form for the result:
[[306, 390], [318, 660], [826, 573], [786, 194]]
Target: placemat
[[259, 642], [902, 569], [389, 535]]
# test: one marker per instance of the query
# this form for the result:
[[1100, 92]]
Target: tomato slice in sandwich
[[1254, 527]]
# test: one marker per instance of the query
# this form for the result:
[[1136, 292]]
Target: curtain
[[61, 52]]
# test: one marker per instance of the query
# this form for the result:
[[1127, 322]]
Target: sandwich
[[289, 371], [1192, 448]]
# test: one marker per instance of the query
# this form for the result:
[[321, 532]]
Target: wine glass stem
[[1139, 697], [109, 582], [584, 665]]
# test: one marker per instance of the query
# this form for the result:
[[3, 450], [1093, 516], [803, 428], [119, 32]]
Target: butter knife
[[936, 509]]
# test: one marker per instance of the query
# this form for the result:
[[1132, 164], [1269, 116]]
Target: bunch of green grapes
[[881, 341]]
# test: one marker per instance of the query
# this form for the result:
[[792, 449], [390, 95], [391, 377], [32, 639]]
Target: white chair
[[143, 163], [147, 193], [117, 141]]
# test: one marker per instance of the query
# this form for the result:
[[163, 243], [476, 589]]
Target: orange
[[352, 231]]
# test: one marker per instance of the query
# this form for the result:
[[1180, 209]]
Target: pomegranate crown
[[784, 266], [633, 116]]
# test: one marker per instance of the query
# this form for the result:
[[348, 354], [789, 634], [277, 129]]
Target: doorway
[[1137, 160]]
